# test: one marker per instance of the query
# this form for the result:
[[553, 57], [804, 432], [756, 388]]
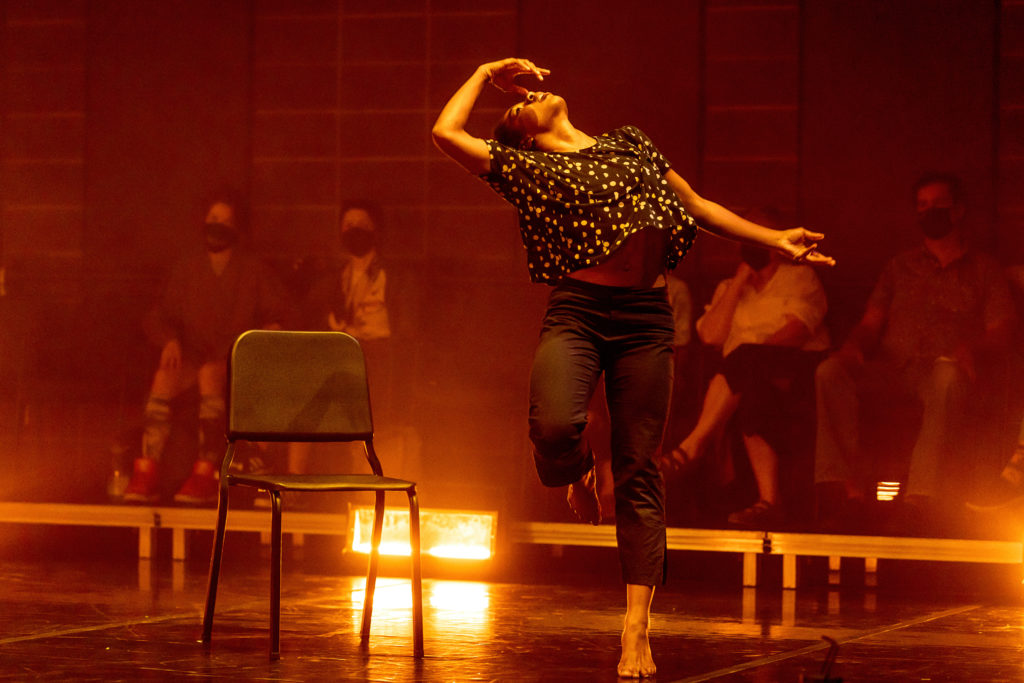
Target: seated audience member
[[352, 299], [210, 298], [934, 312], [768, 321]]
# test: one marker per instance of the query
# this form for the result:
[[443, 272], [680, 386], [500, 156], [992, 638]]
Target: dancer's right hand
[[502, 74]]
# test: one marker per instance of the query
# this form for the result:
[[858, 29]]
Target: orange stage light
[[453, 534], [887, 490]]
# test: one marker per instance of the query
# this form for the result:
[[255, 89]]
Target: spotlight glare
[[451, 534], [887, 490]]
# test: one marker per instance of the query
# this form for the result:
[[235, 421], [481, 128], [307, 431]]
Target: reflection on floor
[[90, 617]]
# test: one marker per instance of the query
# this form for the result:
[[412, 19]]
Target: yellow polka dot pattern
[[576, 208]]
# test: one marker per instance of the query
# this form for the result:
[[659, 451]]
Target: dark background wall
[[116, 115]]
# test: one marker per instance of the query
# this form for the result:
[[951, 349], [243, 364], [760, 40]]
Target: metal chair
[[305, 386]]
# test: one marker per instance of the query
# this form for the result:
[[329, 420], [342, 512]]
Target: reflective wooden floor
[[103, 616]]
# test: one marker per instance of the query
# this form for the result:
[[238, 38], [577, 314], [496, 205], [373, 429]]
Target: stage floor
[[113, 619]]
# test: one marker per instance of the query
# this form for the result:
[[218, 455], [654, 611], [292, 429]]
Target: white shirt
[[792, 291]]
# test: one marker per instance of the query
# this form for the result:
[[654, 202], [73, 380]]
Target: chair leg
[[215, 557], [371, 574], [275, 575], [417, 576]]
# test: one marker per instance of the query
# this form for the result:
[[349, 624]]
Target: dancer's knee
[[553, 439]]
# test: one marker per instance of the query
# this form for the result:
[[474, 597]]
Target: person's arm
[[994, 339], [449, 131], [797, 243], [163, 324], [865, 334], [794, 332], [713, 327]]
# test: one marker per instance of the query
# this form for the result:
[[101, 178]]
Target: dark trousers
[[940, 385], [767, 378], [627, 334]]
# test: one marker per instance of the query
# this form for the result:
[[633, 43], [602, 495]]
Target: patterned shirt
[[931, 310], [576, 208]]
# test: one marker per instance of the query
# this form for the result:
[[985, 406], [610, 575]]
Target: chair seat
[[320, 482]]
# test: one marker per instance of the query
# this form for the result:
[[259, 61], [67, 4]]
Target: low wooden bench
[[750, 544], [790, 546], [148, 520]]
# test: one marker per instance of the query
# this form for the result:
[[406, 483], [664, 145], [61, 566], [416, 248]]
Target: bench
[[790, 546], [750, 544]]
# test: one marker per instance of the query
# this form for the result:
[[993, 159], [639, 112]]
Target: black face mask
[[219, 237], [935, 222], [755, 257], [358, 241]]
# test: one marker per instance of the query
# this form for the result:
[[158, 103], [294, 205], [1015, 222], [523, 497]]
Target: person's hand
[[743, 273], [850, 355], [502, 74], [801, 246], [170, 357], [334, 323]]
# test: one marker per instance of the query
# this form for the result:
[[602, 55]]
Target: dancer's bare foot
[[583, 498], [636, 660]]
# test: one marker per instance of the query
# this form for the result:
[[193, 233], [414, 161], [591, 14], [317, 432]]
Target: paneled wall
[[117, 114], [1010, 154], [43, 136]]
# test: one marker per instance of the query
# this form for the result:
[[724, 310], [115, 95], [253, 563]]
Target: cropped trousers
[[627, 334]]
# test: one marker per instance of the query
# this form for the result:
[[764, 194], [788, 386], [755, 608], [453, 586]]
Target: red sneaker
[[145, 484], [202, 487]]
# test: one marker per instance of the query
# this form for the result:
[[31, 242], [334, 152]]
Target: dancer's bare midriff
[[638, 262]]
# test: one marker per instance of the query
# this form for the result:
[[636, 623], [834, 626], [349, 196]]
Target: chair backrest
[[298, 386]]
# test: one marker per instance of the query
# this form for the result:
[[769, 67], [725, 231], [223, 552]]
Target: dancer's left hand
[[801, 245]]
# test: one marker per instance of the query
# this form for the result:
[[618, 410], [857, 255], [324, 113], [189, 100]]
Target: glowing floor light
[[887, 490], [456, 534]]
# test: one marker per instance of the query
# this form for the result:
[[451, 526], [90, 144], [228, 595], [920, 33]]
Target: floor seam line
[[808, 649]]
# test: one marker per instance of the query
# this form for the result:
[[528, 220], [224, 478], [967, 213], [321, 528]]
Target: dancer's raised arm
[[449, 130]]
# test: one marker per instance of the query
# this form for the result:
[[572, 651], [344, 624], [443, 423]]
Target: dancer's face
[[536, 114]]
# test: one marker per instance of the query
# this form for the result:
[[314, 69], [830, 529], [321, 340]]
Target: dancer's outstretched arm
[[797, 243]]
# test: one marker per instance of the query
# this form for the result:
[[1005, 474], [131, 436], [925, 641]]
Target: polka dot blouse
[[576, 208]]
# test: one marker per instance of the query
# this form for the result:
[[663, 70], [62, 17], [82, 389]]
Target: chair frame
[[375, 482]]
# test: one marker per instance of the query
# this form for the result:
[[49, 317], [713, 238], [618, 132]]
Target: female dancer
[[602, 218]]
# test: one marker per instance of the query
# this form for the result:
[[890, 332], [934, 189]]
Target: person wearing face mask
[[767, 320], [934, 312], [352, 299], [210, 298]]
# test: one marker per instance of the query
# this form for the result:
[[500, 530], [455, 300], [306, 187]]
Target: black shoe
[[1000, 495]]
